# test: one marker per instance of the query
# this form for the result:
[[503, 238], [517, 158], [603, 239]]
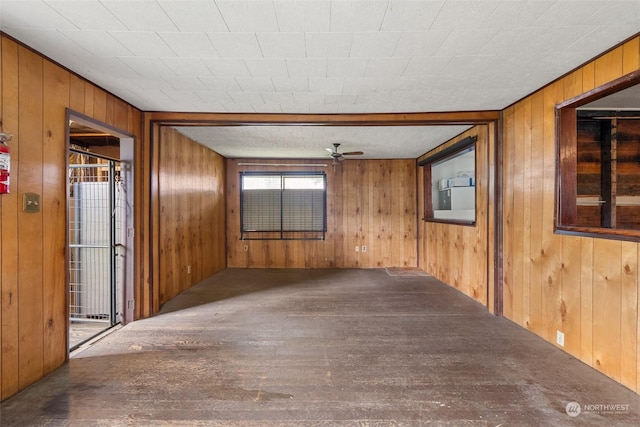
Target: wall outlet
[[364, 248], [357, 248], [188, 269], [560, 338]]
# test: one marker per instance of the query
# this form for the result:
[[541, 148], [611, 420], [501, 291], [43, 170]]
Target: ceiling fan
[[338, 156]]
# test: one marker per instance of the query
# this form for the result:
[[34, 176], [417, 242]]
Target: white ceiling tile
[[248, 15], [143, 43], [556, 39], [426, 66], [510, 41], [211, 97], [346, 67], [220, 84], [255, 84], [307, 67], [282, 45], [261, 67], [187, 66], [465, 42], [86, 15], [277, 97], [566, 14], [598, 39], [308, 98], [411, 15], [340, 99], [303, 16], [141, 15], [194, 15], [246, 97], [182, 96], [347, 15], [291, 84], [102, 67], [616, 13], [325, 85], [374, 45], [266, 108], [148, 67], [32, 15], [360, 85], [420, 43], [467, 14], [195, 45], [236, 45], [328, 45], [99, 43], [517, 14], [227, 67], [389, 68]]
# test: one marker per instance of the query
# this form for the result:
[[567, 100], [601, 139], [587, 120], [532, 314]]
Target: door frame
[[127, 158]]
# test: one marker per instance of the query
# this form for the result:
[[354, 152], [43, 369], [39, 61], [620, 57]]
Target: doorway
[[100, 231]]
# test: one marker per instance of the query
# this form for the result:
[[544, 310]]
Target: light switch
[[31, 203]]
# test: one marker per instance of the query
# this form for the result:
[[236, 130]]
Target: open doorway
[[100, 229]]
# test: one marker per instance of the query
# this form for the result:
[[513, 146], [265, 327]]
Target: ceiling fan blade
[[330, 150], [353, 153]]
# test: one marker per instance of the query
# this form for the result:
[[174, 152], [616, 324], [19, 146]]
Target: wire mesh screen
[[95, 227], [283, 205]]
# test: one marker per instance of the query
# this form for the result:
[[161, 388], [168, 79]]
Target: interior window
[[599, 162], [450, 192]]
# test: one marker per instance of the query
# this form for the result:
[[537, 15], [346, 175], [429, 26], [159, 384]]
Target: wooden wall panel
[[369, 202], [34, 96], [9, 226], [54, 197], [585, 287], [192, 213], [30, 247], [457, 254]]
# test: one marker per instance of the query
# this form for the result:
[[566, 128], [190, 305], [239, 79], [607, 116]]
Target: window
[[283, 205], [450, 192], [599, 162]]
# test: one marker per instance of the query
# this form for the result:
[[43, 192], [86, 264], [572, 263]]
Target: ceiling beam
[[374, 119]]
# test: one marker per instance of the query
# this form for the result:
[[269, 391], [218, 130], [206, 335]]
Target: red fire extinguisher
[[5, 163]]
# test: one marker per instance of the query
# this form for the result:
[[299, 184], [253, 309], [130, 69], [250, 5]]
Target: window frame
[[281, 233], [566, 163], [428, 162]]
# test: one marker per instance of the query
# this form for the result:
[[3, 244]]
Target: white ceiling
[[320, 56]]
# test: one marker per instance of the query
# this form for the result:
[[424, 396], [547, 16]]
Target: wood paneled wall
[[459, 254], [34, 96], [585, 287], [369, 202], [191, 202]]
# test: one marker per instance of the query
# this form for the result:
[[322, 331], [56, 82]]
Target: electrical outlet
[[364, 248], [188, 269], [246, 248], [560, 338], [357, 248]]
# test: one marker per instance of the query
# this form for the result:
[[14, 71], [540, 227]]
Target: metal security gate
[[96, 245]]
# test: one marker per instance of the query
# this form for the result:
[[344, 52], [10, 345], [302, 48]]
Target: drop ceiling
[[322, 57]]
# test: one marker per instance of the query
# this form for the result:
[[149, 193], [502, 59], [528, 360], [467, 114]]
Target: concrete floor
[[322, 348]]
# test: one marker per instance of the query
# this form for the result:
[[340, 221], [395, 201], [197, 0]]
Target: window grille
[[283, 205]]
